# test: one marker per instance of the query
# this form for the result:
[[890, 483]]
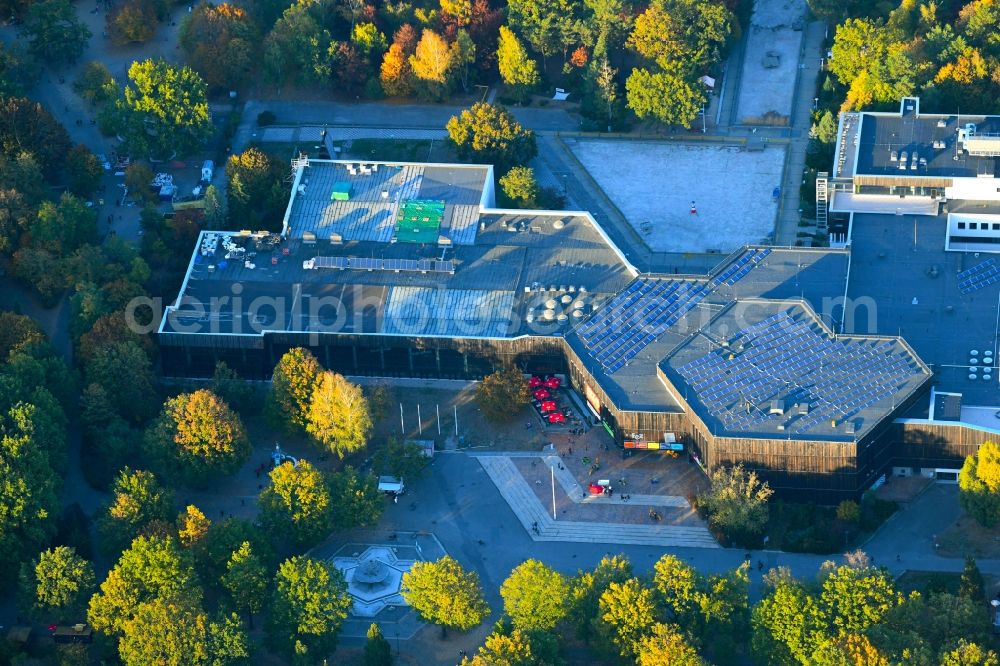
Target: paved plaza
[[771, 62], [654, 185]]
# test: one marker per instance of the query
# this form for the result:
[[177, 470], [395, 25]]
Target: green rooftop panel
[[341, 191], [419, 221]]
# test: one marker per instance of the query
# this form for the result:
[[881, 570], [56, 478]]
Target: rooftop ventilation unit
[[777, 407], [976, 144]]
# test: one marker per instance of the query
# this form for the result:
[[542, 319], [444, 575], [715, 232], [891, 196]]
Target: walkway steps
[[529, 510]]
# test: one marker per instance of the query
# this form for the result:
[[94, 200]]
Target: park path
[[795, 157]]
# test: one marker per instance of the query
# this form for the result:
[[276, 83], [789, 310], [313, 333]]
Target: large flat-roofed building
[[409, 270]]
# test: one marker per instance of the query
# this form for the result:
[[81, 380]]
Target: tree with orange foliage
[[221, 42]]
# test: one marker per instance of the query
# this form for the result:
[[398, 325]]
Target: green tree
[[28, 493], [257, 191], [788, 624], [535, 596], [628, 611], [137, 500], [490, 135], [378, 652], [338, 417], [516, 69], [17, 332], [292, 386], [125, 373], [297, 503], [57, 584], [667, 96], [55, 34], [688, 36], [27, 127], [62, 227], [588, 586], [151, 568], [297, 50], [18, 70], [216, 209], [666, 646], [246, 580], [550, 26], [445, 594], [826, 129], [356, 499], [736, 504], [83, 171], [221, 42], [502, 395], [854, 598], [309, 605], [402, 459], [215, 550], [520, 187], [233, 389], [979, 485], [971, 585], [95, 83], [869, 59], [197, 437], [175, 630], [163, 109]]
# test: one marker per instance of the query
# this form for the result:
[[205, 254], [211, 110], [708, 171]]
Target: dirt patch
[[967, 537]]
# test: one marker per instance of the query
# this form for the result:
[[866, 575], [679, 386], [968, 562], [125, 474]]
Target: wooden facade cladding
[[901, 181]]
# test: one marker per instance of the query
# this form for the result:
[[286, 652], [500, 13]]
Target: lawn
[[401, 150], [808, 528], [926, 582]]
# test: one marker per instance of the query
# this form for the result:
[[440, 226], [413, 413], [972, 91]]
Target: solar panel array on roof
[[779, 358], [735, 271], [378, 264], [636, 317], [981, 275]]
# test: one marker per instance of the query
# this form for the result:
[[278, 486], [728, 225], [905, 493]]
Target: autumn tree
[[137, 500], [124, 371], [309, 605], [665, 645], [175, 630], [297, 503], [257, 193], [517, 69], [55, 34], [979, 484], [19, 70], [151, 568], [872, 62], [395, 74], [432, 64], [513, 649], [971, 582], [338, 417], [736, 503], [502, 395], [520, 187], [57, 584], [83, 171], [356, 499], [163, 109], [214, 552], [192, 526], [292, 386], [444, 593], [133, 22], [535, 596], [628, 611], [197, 437], [221, 42], [297, 49], [489, 134], [687, 36]]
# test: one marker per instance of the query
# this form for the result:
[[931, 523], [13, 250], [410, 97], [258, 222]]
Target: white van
[[391, 485], [207, 167]]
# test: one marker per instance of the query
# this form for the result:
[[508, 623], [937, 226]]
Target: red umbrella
[[535, 382], [552, 383], [541, 394], [556, 417], [595, 489], [549, 406]]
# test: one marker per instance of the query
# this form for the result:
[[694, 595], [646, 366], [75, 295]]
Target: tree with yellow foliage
[[979, 485]]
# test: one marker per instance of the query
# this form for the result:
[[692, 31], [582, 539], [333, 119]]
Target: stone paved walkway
[[530, 512]]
